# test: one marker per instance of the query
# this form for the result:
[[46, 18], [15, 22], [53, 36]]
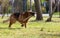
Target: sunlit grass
[[35, 29]]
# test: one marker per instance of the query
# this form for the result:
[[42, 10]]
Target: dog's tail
[[6, 21]]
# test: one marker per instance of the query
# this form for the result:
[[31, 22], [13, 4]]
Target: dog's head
[[30, 12]]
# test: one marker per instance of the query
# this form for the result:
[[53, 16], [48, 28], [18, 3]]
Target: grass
[[35, 29]]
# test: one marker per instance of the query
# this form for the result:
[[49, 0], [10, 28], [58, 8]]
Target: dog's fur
[[20, 17]]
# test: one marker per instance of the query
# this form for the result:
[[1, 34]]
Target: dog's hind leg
[[12, 20], [10, 24]]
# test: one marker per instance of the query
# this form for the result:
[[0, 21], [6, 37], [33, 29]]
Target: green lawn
[[35, 29]]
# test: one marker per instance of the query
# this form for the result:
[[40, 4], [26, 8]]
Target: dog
[[20, 17]]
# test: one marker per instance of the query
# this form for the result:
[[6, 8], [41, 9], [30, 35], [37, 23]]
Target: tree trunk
[[24, 5], [19, 4], [38, 10], [50, 11]]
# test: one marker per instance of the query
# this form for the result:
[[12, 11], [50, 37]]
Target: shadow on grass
[[54, 21], [35, 20], [9, 28], [58, 35]]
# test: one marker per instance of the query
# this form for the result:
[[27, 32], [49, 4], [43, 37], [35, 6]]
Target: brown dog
[[20, 17]]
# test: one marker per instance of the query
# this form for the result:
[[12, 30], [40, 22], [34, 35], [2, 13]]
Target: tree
[[38, 9], [4, 7], [51, 10], [24, 5], [19, 4]]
